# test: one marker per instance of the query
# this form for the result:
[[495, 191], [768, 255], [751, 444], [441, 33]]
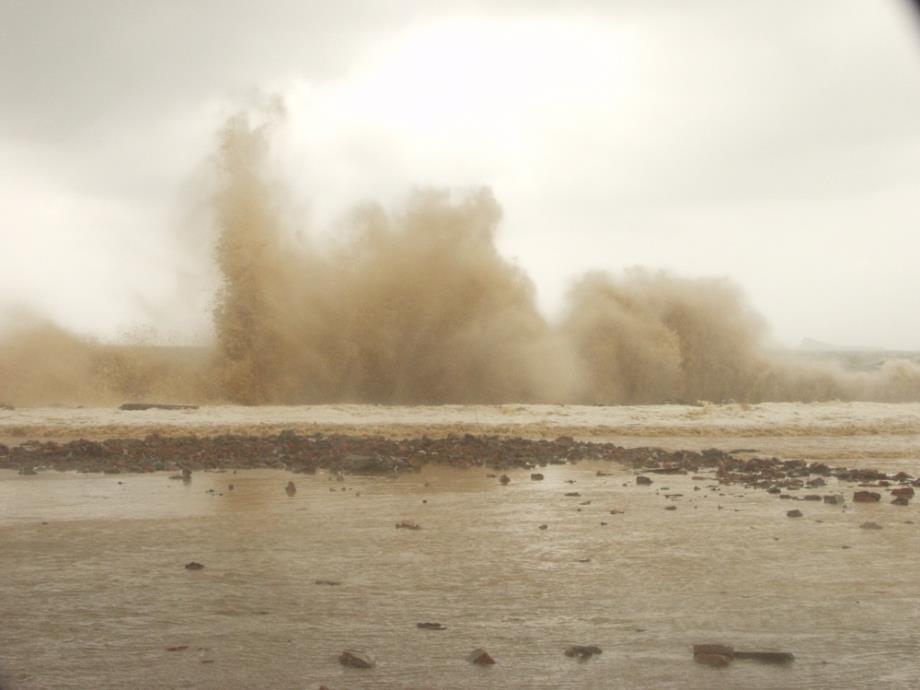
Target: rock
[[504, 479], [330, 583], [643, 481], [714, 660], [720, 649], [670, 507], [194, 565], [833, 499], [543, 526], [430, 626], [290, 489], [582, 652], [812, 497], [230, 487], [180, 648], [870, 525], [408, 524], [573, 494], [901, 501], [480, 657], [794, 513], [905, 491], [536, 476], [866, 497], [356, 659]]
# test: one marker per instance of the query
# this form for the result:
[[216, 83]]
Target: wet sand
[[95, 597]]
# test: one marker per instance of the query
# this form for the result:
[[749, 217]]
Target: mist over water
[[417, 306]]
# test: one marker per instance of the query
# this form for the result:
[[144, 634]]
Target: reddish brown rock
[[866, 497], [480, 657], [356, 659]]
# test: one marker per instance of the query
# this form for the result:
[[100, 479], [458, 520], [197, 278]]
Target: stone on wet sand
[[430, 626], [794, 513], [504, 479], [536, 476], [582, 652], [408, 524], [870, 525], [480, 657], [643, 481], [194, 565], [866, 497], [356, 659], [714, 660], [290, 489], [720, 655]]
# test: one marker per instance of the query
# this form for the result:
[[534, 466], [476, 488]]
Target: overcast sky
[[775, 143]]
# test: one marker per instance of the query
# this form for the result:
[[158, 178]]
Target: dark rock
[[180, 648], [794, 513], [901, 501], [480, 657], [714, 660], [670, 508], [573, 494], [536, 476], [866, 497], [870, 525], [504, 479], [643, 481], [194, 565], [408, 524], [430, 626], [290, 489], [903, 491], [331, 583], [812, 497], [356, 659], [833, 499], [582, 652], [543, 526]]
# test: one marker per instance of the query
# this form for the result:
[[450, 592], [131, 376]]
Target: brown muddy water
[[94, 590]]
